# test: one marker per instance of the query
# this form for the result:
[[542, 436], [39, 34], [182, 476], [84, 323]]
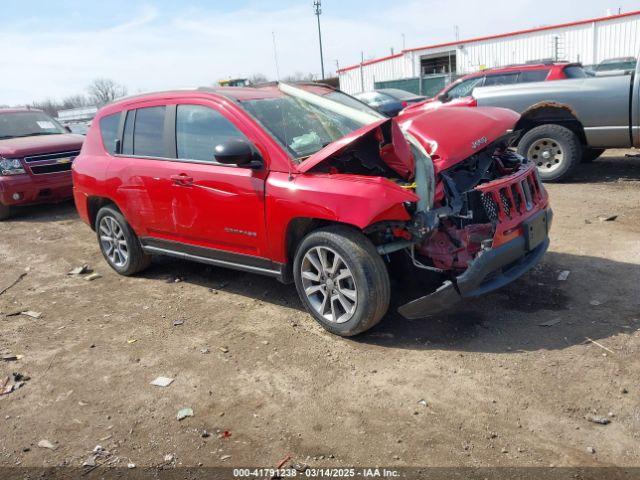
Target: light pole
[[317, 5]]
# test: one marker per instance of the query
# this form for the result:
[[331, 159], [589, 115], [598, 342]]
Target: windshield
[[305, 122], [27, 124]]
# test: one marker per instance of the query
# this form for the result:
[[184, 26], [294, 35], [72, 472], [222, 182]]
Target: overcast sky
[[52, 49]]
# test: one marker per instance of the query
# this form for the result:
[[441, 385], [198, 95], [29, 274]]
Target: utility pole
[[275, 55], [317, 5]]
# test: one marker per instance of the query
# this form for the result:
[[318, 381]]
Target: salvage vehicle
[[36, 153], [308, 185], [566, 123], [573, 121], [539, 71]]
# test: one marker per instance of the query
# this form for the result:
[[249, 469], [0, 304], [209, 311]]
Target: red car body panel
[[33, 187], [439, 131], [397, 155]]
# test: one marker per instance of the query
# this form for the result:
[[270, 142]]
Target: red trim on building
[[491, 37]]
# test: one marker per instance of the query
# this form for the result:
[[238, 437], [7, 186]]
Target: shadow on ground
[[607, 170], [505, 321]]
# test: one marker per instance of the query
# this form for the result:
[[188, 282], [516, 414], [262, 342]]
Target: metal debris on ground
[[178, 323], [422, 402], [93, 276], [600, 345], [225, 457], [11, 358], [549, 323], [32, 314], [46, 444], [131, 465], [300, 467], [81, 270], [184, 413], [14, 283], [563, 275], [607, 218], [12, 383], [132, 340], [598, 420], [169, 457], [204, 350], [162, 382], [223, 349]]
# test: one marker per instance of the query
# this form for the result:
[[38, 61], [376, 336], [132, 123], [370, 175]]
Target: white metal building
[[587, 41]]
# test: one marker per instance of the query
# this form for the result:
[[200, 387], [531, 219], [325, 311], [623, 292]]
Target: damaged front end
[[488, 226]]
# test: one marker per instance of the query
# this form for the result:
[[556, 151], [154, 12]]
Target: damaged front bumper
[[491, 270]]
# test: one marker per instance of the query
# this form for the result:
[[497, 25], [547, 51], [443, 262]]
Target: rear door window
[[148, 135], [199, 129], [505, 79], [109, 131], [533, 76]]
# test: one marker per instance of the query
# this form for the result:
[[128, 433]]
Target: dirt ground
[[499, 389]]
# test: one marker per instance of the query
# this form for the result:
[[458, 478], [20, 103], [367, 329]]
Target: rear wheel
[[554, 149], [118, 242], [5, 211], [590, 154], [342, 280]]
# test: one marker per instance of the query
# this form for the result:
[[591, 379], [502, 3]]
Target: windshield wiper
[[36, 134]]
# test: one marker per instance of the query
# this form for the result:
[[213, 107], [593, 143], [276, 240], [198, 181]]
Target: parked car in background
[[565, 123], [616, 66], [306, 184], [389, 101], [36, 153], [461, 90]]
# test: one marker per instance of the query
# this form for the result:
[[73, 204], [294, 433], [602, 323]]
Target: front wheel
[[342, 280], [554, 149], [118, 242]]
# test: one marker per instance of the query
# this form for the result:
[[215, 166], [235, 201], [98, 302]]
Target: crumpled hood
[[24, 146], [450, 135], [395, 152]]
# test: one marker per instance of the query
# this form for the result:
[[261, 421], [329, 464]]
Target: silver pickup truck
[[567, 122]]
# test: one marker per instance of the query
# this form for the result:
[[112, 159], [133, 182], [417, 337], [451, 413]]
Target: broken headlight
[[10, 166]]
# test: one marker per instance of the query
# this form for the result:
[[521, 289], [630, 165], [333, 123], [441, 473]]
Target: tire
[[128, 258], [5, 211], [360, 271], [590, 154], [554, 149]]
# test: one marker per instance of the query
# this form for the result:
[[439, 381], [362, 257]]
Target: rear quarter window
[[109, 131]]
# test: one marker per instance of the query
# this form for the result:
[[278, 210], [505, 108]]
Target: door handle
[[182, 179]]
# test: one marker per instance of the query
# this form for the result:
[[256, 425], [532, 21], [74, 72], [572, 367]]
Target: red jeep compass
[[35, 159], [308, 185]]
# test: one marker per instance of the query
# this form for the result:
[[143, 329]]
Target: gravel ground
[[485, 384]]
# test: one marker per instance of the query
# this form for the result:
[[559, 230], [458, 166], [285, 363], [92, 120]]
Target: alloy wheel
[[329, 284], [113, 242]]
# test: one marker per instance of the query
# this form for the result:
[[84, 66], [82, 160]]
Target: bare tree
[[257, 78], [49, 106], [299, 77], [75, 101], [103, 91]]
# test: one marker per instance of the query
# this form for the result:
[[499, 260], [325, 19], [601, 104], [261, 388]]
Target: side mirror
[[443, 98], [237, 151]]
